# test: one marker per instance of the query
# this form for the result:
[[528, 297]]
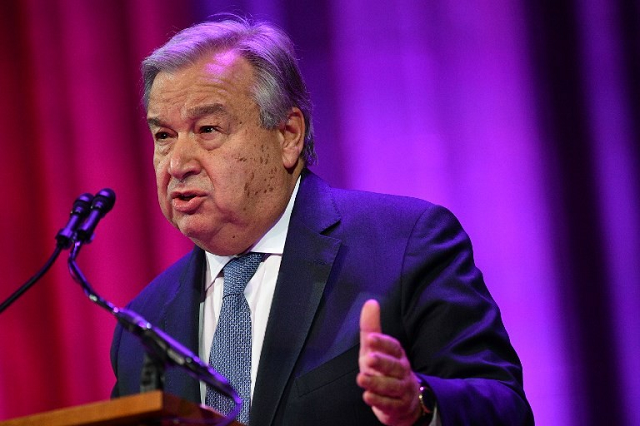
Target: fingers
[[390, 386], [389, 361], [392, 407], [379, 354], [394, 401], [384, 367], [377, 342], [387, 387], [387, 375]]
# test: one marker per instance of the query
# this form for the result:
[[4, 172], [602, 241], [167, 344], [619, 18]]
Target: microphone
[[102, 203], [79, 212], [65, 237]]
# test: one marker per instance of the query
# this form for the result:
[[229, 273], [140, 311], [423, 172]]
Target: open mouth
[[187, 202], [186, 197]]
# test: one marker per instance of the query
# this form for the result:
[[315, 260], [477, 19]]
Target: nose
[[183, 161]]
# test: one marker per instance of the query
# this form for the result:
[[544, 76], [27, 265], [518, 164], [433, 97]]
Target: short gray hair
[[279, 83]]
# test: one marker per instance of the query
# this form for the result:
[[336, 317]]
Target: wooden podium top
[[155, 408]]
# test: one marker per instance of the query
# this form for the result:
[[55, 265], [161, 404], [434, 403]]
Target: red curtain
[[72, 123]]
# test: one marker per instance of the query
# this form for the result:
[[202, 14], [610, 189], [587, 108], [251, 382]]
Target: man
[[365, 308]]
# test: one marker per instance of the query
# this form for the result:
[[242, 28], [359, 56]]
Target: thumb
[[369, 323], [370, 317]]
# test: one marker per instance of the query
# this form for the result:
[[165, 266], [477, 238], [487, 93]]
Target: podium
[[149, 408]]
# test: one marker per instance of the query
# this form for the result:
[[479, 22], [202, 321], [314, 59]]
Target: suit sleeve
[[455, 337]]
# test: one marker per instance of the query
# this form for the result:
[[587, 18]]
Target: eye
[[161, 136], [208, 129]]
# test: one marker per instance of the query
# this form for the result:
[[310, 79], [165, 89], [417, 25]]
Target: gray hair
[[279, 85]]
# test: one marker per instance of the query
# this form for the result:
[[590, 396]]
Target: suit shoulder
[[167, 282], [366, 198], [364, 204], [320, 206]]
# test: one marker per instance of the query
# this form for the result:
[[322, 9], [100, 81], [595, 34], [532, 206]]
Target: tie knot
[[239, 271]]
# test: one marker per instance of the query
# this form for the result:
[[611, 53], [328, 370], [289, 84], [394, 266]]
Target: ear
[[292, 137]]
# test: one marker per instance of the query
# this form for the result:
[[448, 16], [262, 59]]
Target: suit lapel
[[306, 264], [181, 321]]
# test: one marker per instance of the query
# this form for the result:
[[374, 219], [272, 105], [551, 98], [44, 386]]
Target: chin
[[190, 232]]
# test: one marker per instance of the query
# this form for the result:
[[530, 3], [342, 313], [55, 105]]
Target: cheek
[[158, 159], [162, 180], [160, 167]]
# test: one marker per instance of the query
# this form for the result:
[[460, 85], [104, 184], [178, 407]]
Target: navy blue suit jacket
[[344, 247]]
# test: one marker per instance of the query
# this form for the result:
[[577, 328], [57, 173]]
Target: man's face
[[222, 179]]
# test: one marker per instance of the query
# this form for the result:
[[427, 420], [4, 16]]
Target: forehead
[[224, 78]]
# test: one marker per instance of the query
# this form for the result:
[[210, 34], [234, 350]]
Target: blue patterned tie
[[231, 348]]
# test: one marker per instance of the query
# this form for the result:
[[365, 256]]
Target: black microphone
[[65, 237], [102, 203], [79, 212]]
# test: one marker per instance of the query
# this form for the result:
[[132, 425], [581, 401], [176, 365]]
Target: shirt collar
[[271, 243]]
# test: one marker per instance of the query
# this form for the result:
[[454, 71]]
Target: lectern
[[149, 408]]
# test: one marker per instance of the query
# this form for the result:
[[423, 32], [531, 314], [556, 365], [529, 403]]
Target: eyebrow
[[155, 122], [210, 109], [194, 113]]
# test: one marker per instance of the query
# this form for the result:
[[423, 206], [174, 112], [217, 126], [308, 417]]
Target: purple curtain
[[520, 116]]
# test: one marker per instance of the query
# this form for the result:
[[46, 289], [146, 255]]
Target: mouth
[[185, 194], [186, 201], [185, 197]]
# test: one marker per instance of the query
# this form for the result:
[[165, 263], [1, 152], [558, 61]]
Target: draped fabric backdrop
[[522, 117]]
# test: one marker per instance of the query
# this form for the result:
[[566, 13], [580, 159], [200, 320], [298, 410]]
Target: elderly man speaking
[[321, 306]]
